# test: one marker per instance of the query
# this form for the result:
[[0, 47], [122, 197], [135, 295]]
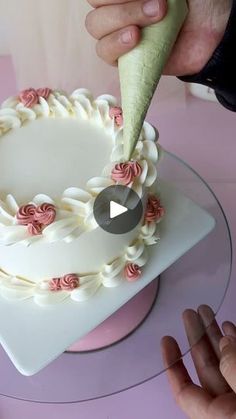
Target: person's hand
[[116, 25], [214, 357]]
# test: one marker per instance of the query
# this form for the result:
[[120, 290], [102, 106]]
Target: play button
[[118, 209]]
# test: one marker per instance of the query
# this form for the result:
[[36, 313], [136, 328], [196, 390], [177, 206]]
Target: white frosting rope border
[[74, 209], [14, 288]]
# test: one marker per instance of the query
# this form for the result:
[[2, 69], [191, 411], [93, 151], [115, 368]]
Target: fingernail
[[229, 329], [225, 341], [206, 314], [151, 8], [126, 37]]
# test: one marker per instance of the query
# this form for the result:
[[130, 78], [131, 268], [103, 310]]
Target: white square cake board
[[34, 336]]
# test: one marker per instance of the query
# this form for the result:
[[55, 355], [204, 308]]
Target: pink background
[[203, 134]]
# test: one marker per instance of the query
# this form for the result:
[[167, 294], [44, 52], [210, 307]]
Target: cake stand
[[200, 277]]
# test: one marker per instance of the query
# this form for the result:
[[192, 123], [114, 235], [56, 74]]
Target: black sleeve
[[220, 71]]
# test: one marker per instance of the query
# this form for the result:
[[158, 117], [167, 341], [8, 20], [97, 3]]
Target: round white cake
[[57, 153]]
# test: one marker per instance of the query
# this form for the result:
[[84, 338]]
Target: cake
[[57, 153]]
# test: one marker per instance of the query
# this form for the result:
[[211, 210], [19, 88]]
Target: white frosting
[[50, 165], [16, 288], [81, 114]]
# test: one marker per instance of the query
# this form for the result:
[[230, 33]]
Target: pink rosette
[[29, 97], [132, 272], [119, 120], [55, 284], [35, 229], [125, 173], [69, 282], [25, 214], [116, 113], [154, 210], [44, 92], [35, 218], [45, 214], [137, 169]]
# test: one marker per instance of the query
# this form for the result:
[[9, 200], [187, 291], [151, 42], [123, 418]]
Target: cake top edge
[[62, 214]]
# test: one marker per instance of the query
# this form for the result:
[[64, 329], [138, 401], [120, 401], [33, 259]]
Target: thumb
[[228, 360]]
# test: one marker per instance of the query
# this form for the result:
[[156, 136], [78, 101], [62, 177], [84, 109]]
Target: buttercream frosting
[[154, 211], [67, 283], [126, 173], [132, 272], [49, 229], [29, 98], [82, 287], [117, 113], [74, 207]]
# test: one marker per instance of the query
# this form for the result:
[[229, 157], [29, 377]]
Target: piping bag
[[140, 71]]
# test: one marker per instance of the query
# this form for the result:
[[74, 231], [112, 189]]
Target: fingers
[[112, 17], [116, 24], [228, 354], [203, 355], [229, 329], [172, 357], [228, 360], [191, 398], [99, 3], [211, 326], [112, 46]]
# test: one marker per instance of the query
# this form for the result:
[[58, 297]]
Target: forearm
[[220, 71]]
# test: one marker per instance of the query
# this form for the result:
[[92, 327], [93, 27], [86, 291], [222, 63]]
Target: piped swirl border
[[128, 267]]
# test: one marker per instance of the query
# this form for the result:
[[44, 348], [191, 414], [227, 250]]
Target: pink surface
[[203, 134], [121, 323]]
